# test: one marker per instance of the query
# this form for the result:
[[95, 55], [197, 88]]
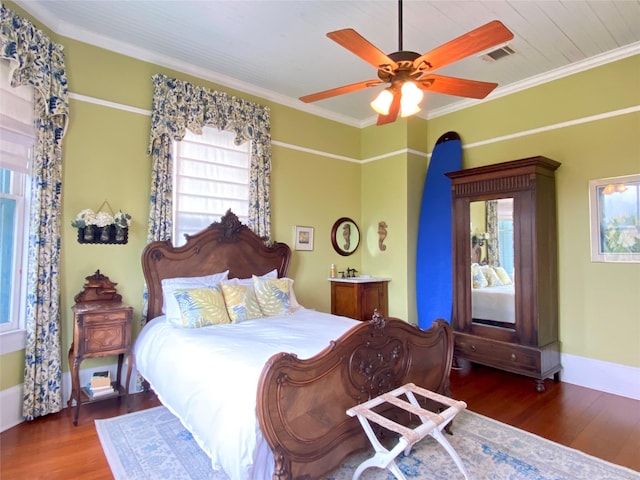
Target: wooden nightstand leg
[[126, 387], [73, 381], [76, 389], [119, 373]]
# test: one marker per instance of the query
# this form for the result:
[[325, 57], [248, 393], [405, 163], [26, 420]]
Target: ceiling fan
[[409, 73]]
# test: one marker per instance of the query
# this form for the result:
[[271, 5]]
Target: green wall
[[105, 159], [598, 301]]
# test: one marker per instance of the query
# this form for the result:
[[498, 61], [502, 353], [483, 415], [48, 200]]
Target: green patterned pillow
[[241, 301], [492, 277], [274, 295], [200, 307], [503, 276], [478, 279]]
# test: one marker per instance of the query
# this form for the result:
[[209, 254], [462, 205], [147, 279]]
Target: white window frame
[[12, 333], [18, 135], [213, 216]]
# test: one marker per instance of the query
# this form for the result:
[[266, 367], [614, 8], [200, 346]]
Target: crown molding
[[556, 74], [82, 35]]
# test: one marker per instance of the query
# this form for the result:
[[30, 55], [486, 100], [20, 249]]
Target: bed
[[291, 397], [494, 303], [492, 295]]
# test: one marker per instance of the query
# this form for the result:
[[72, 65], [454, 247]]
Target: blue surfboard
[[434, 269]]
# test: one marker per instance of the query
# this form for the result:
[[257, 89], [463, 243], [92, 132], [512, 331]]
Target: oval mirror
[[345, 236]]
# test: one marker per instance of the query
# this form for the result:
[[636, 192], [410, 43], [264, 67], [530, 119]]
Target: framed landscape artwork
[[303, 238], [615, 219]]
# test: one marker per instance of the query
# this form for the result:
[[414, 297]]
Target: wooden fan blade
[[394, 110], [333, 92], [357, 44], [456, 86], [486, 36]]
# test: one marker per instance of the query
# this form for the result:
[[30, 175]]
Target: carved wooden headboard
[[225, 245]]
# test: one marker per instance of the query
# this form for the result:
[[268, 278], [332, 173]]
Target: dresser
[[101, 327], [358, 297]]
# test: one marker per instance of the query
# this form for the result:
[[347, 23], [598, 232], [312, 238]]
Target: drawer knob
[[513, 357], [473, 348]]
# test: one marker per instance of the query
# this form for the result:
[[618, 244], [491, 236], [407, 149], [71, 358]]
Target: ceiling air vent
[[499, 53]]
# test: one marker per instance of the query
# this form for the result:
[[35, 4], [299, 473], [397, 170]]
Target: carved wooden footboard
[[302, 403]]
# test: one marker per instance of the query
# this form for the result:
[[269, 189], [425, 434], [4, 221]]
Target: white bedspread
[[208, 378], [494, 303]]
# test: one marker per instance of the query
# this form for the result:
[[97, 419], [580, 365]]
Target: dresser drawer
[[104, 317], [516, 358], [106, 339]]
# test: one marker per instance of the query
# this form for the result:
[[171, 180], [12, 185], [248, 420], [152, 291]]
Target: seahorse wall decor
[[382, 234]]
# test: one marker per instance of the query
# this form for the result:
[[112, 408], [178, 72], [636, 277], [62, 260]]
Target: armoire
[[506, 214]]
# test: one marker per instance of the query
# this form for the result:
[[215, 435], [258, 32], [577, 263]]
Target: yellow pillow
[[200, 307], [241, 301], [492, 277], [478, 280], [503, 276], [274, 295]]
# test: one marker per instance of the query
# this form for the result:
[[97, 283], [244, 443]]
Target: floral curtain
[[40, 63], [493, 244], [178, 105]]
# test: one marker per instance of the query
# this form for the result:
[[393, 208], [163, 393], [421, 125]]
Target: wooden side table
[[359, 297], [101, 327]]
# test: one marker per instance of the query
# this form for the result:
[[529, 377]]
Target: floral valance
[[36, 61], [179, 105]]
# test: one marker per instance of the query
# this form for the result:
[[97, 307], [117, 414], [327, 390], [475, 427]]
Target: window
[[210, 176], [17, 136], [505, 234]]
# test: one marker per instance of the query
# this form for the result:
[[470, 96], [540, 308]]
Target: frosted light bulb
[[382, 103]]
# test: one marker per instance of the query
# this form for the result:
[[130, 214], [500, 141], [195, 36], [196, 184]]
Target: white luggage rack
[[432, 424]]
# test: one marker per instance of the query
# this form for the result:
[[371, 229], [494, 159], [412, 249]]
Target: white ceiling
[[279, 49]]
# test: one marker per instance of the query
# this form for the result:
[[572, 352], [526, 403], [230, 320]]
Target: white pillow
[[169, 303], [249, 281]]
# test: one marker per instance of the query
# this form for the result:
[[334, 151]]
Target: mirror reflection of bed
[[492, 268]]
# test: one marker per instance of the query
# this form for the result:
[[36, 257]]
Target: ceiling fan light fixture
[[401, 68], [410, 100], [408, 110], [382, 102]]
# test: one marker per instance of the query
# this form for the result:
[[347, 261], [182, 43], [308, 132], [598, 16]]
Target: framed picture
[[614, 205], [303, 238]]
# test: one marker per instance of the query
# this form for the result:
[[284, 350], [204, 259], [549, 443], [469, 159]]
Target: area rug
[[152, 444]]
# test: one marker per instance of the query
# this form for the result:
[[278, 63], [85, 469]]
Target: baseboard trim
[[11, 398], [599, 375], [586, 372], [11, 411]]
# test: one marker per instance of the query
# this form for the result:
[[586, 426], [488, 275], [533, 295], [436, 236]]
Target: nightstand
[[358, 297], [101, 327]]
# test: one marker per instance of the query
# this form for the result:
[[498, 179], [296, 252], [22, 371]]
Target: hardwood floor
[[600, 424]]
